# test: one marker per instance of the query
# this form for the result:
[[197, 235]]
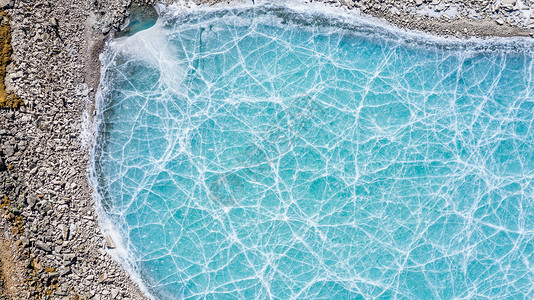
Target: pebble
[[508, 3], [64, 271], [44, 246], [114, 293], [9, 151], [7, 3], [110, 244]]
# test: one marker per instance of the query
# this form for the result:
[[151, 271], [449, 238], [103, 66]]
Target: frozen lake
[[263, 152]]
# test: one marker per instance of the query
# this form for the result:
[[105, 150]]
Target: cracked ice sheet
[[258, 153]]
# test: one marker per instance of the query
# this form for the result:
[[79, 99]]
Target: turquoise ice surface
[[266, 153]]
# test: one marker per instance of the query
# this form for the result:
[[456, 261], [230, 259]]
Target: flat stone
[[109, 242], [106, 30], [64, 271], [114, 293], [43, 246], [9, 150], [68, 259], [508, 3], [6, 3], [31, 201]]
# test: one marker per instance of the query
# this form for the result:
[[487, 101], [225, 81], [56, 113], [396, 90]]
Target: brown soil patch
[[7, 99], [11, 274]]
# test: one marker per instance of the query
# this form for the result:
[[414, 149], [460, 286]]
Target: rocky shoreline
[[58, 249], [51, 246], [461, 19]]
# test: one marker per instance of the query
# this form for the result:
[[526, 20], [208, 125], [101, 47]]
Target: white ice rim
[[344, 16]]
